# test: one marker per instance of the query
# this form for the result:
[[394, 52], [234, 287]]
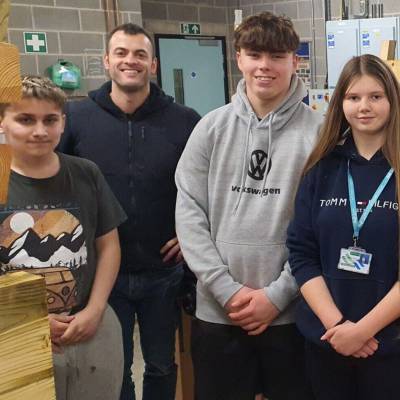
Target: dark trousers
[[231, 365], [150, 297], [335, 377]]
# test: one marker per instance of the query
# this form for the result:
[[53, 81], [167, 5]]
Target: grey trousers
[[92, 370]]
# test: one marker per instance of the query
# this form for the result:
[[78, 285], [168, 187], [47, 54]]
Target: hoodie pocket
[[355, 294], [255, 266]]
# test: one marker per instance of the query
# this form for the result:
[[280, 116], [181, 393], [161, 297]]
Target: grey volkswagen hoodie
[[237, 179]]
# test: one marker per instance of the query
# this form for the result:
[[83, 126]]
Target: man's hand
[[256, 312], [347, 339], [172, 251], [82, 327]]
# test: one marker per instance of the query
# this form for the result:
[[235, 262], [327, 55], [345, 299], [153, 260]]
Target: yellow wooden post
[[4, 14], [10, 74], [387, 54], [26, 369], [26, 363], [10, 91]]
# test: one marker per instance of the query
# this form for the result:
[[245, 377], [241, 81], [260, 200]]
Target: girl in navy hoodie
[[343, 240]]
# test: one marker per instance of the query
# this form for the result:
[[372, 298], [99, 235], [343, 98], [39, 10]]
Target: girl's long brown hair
[[335, 123]]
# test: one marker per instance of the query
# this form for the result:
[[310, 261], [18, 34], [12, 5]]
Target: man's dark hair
[[129, 29], [266, 32]]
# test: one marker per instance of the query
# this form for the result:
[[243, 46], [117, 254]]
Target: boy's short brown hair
[[40, 88], [266, 32]]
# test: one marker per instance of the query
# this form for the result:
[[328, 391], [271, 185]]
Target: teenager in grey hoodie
[[236, 185]]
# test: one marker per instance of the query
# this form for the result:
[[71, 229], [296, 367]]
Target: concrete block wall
[[165, 16], [76, 31]]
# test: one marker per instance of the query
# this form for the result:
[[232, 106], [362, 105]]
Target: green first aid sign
[[35, 42]]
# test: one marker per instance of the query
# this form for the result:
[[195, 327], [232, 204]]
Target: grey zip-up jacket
[[237, 179]]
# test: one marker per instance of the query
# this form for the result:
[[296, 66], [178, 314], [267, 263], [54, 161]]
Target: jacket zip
[[130, 160]]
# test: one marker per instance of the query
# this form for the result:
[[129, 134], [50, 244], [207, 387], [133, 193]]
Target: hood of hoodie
[[156, 101], [295, 95], [347, 149], [273, 121]]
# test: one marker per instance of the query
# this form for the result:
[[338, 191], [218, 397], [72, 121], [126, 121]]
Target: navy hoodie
[[322, 226], [138, 155]]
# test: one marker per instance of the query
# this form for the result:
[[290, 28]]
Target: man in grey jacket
[[236, 185]]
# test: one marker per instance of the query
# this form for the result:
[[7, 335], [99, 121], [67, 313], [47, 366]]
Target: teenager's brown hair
[[266, 32], [41, 88], [335, 123]]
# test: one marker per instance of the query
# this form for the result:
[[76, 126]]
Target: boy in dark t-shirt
[[60, 221]]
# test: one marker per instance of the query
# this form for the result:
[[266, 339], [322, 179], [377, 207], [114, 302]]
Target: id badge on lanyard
[[354, 258]]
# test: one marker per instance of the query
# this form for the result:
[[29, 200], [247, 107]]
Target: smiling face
[[130, 62], [267, 75], [33, 128], [366, 107]]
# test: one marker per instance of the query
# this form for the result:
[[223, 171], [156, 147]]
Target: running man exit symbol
[[190, 29]]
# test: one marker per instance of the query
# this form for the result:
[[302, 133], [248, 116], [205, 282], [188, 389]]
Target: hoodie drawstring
[[244, 163], [271, 118]]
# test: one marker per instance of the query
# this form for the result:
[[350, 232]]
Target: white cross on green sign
[[35, 42], [190, 29]]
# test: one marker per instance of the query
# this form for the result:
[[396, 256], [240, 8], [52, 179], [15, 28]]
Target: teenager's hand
[[82, 327], [346, 338], [172, 251], [368, 349], [236, 302], [56, 348], [58, 325], [256, 312]]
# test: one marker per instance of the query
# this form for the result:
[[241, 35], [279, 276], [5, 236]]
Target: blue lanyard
[[359, 223]]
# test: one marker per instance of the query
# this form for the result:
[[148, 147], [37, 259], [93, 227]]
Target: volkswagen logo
[[258, 165]]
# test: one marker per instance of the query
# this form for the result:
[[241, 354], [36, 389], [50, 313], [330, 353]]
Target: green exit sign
[[190, 29]]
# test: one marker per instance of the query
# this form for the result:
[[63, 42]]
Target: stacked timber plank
[[26, 370]]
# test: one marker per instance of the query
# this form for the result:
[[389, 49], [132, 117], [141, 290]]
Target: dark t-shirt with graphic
[[49, 227]]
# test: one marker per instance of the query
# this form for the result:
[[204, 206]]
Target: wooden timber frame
[[388, 53], [26, 363], [10, 91], [183, 357], [4, 15], [26, 368]]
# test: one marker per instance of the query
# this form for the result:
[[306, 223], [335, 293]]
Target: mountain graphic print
[[46, 242]]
